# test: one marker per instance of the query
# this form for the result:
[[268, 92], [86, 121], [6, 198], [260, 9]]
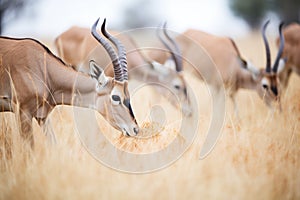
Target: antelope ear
[[161, 69], [281, 65], [251, 68], [97, 73], [170, 63]]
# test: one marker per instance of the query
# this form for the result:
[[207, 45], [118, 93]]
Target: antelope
[[291, 52], [33, 78], [76, 47], [235, 71]]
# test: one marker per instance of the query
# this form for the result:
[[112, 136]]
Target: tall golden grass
[[256, 157]]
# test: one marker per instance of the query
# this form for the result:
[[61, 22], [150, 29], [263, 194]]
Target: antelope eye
[[116, 99], [265, 86], [177, 87]]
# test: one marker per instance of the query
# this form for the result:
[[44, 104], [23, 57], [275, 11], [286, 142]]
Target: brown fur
[[219, 63], [36, 80], [291, 51]]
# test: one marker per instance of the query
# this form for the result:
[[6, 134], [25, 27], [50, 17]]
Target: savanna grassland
[[256, 156]]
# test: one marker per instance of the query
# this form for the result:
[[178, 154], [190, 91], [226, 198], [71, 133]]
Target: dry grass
[[153, 137], [255, 158]]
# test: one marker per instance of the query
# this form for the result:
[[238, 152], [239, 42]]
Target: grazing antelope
[[291, 52], [35, 79], [223, 57], [75, 46]]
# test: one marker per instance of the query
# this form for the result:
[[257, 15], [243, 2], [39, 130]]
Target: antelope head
[[268, 86], [171, 73], [116, 107]]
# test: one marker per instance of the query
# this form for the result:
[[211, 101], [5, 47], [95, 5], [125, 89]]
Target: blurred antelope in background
[[76, 47], [36, 80], [212, 56], [291, 52]]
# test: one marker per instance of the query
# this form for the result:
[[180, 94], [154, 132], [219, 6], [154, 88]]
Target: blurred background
[[256, 157], [48, 18]]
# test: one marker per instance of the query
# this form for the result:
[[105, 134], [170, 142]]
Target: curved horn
[[268, 54], [120, 48], [275, 67], [178, 59], [113, 56], [174, 57]]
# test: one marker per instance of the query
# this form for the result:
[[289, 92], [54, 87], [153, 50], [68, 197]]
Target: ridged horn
[[178, 59], [280, 50], [268, 54], [121, 50], [118, 75], [175, 56]]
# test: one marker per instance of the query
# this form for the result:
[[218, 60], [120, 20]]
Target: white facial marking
[[115, 103], [116, 93], [265, 82], [177, 81]]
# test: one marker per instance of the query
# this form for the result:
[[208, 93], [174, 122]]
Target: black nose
[[136, 130]]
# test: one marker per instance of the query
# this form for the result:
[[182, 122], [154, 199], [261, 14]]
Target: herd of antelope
[[33, 80]]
